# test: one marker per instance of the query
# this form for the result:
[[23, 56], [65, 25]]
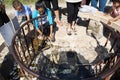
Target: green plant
[[8, 3]]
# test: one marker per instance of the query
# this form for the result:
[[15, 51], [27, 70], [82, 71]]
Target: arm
[[51, 33], [28, 17], [28, 12], [36, 23], [115, 19], [50, 20], [51, 29], [39, 32]]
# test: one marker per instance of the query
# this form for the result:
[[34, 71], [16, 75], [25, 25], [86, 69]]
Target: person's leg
[[88, 2], [55, 5], [70, 11], [102, 4], [76, 9], [94, 3], [47, 3], [56, 11]]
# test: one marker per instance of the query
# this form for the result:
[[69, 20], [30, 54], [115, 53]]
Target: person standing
[[72, 10], [55, 8], [102, 4], [3, 16]]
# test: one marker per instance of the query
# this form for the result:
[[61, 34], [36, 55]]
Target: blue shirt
[[25, 11], [47, 18]]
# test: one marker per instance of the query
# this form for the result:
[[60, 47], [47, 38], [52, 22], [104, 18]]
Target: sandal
[[69, 33], [74, 30], [74, 27]]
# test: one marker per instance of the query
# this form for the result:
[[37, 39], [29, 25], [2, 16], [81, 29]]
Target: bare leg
[[74, 26], [58, 21], [69, 28]]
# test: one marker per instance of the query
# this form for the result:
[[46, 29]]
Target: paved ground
[[79, 42]]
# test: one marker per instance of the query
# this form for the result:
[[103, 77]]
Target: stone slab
[[100, 16]]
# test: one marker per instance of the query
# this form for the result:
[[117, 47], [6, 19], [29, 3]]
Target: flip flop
[[74, 30], [69, 33]]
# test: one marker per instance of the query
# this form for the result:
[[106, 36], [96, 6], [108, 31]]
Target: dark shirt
[[3, 17]]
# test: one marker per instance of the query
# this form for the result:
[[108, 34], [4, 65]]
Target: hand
[[106, 14], [40, 37], [52, 36], [44, 37], [110, 21]]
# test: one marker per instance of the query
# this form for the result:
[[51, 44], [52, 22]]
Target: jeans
[[102, 4]]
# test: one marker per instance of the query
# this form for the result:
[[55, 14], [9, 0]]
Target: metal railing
[[26, 55]]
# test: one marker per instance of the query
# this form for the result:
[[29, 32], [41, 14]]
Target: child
[[3, 16], [72, 9], [47, 22], [22, 11], [115, 11]]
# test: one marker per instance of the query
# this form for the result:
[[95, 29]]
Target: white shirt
[[73, 1]]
